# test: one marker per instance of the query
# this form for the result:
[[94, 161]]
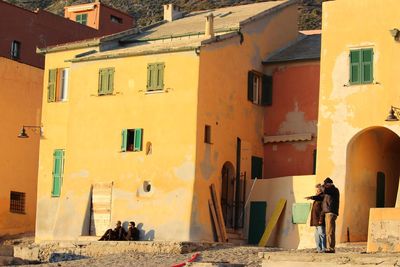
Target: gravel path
[[245, 255]]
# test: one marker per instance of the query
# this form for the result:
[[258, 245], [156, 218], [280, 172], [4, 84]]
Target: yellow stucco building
[[357, 147], [139, 124]]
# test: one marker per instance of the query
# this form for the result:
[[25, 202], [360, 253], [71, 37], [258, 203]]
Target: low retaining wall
[[384, 230], [62, 251]]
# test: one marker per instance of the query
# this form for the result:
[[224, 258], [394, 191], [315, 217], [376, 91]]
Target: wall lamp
[[23, 134], [395, 33], [394, 114]]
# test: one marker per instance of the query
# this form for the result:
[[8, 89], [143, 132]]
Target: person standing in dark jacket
[[320, 239], [330, 211]]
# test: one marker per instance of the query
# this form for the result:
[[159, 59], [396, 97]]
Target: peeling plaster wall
[[224, 106], [345, 110], [20, 104], [294, 110], [89, 128]]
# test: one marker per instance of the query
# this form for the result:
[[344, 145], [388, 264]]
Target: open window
[[57, 88], [259, 88], [132, 140]]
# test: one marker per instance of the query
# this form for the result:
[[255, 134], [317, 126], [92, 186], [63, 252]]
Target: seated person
[[117, 234], [133, 232]]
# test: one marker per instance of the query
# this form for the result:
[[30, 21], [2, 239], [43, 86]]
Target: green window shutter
[[256, 167], [149, 67], [137, 146], [355, 66], [124, 138], [110, 78], [58, 167], [266, 97], [250, 81], [160, 76], [367, 66], [51, 88]]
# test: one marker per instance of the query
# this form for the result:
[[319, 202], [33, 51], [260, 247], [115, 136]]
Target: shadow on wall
[[87, 219], [145, 236]]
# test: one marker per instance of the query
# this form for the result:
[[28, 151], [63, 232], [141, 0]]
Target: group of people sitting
[[119, 233]]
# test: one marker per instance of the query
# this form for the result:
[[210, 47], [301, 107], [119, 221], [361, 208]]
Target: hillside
[[150, 11]]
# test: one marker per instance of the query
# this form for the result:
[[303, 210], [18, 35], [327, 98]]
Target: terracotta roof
[[307, 47]]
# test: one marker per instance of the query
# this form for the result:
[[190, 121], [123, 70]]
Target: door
[[258, 210], [380, 190], [100, 216]]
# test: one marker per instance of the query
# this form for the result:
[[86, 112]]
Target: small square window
[[81, 18], [207, 134], [116, 19], [15, 50], [17, 202]]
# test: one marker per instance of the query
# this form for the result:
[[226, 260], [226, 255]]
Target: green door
[[258, 210]]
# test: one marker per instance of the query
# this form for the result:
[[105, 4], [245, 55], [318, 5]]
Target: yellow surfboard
[[272, 222]]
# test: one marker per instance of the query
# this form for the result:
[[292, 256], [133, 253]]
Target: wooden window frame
[[259, 88]]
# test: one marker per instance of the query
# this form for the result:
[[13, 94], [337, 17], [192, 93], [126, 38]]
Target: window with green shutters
[[132, 140], [155, 76], [81, 18], [58, 170], [106, 81], [361, 66]]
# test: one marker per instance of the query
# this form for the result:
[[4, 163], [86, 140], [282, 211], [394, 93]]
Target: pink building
[[290, 122], [105, 19]]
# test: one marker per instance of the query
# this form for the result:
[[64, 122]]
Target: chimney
[[172, 13], [209, 31]]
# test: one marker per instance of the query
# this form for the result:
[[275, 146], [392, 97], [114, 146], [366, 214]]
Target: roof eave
[[271, 62], [131, 54]]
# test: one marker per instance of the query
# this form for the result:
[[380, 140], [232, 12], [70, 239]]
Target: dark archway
[[372, 178]]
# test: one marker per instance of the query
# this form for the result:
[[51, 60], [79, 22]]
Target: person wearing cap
[[330, 211], [320, 240]]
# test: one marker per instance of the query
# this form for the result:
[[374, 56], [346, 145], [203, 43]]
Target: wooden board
[[272, 222], [215, 220], [100, 216], [218, 209]]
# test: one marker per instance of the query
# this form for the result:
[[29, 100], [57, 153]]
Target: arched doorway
[[228, 193], [372, 178]]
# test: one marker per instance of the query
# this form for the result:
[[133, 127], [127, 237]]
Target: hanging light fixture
[[23, 134]]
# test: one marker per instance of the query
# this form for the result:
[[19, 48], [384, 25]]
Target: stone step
[[6, 250]]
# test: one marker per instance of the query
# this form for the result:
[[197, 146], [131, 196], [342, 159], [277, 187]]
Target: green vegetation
[[150, 11]]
